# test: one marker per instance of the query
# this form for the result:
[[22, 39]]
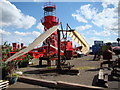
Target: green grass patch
[[50, 67], [85, 67], [85, 59]]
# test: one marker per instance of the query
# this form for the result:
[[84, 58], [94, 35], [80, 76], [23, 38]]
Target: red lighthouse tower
[[49, 21]]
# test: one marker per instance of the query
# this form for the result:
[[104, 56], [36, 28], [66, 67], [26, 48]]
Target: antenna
[[119, 20]]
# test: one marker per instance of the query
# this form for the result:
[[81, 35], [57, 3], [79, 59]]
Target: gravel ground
[[88, 69]]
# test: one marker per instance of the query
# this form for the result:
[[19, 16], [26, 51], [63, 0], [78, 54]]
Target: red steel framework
[[49, 20]]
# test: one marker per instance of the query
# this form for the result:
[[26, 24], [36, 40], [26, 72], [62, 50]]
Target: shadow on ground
[[32, 72], [96, 69], [113, 78], [52, 71], [37, 66]]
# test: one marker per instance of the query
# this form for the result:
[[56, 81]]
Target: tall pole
[[66, 43], [58, 64], [118, 39]]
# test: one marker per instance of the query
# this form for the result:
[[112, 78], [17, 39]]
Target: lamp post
[[58, 64], [118, 39]]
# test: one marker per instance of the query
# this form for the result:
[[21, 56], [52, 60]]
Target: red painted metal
[[69, 48], [49, 21], [68, 45], [14, 46], [18, 46]]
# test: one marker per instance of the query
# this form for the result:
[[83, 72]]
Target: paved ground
[[88, 69], [26, 86]]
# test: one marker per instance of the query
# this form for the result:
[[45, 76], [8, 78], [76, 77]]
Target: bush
[[25, 61]]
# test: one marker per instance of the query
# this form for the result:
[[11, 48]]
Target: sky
[[20, 21]]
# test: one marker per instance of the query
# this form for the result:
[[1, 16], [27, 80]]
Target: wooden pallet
[[3, 84]]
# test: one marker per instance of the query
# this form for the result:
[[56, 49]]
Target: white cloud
[[21, 33], [79, 18], [40, 27], [87, 11], [103, 33], [107, 18], [21, 37], [35, 33], [92, 39], [105, 3], [11, 16], [83, 27], [109, 40], [4, 32]]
